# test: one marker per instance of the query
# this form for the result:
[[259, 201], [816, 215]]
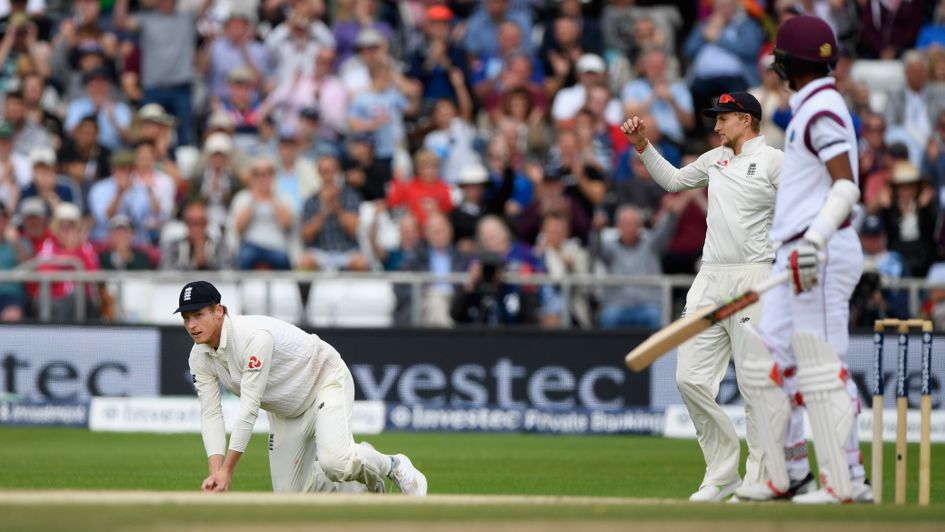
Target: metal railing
[[415, 280]]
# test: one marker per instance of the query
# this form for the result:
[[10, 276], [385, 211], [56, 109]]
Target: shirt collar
[[798, 97], [752, 145]]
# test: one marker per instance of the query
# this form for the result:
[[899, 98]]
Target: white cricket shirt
[[821, 128], [742, 189], [268, 363]]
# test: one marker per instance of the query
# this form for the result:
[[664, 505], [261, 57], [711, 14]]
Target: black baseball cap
[[735, 102], [197, 295]]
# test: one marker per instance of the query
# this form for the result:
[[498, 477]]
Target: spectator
[[321, 92], [15, 169], [244, 109], [68, 249], [872, 146], [83, 147], [294, 44], [911, 111], [591, 71], [119, 194], [330, 224], [519, 119], [201, 247], [932, 34], [46, 184], [551, 199], [684, 253], [588, 30], [486, 298], [635, 252], [168, 40], [773, 99], [14, 250], [934, 306], [640, 190], [516, 76], [653, 92], [262, 221], [482, 28], [723, 50], [432, 63], [479, 199], [439, 257], [26, 133], [909, 216], [888, 29], [878, 257], [348, 32], [407, 245], [218, 182], [160, 187], [314, 138], [121, 253], [880, 179], [112, 117], [498, 158], [34, 217], [485, 69], [573, 162], [296, 178], [380, 110], [452, 137], [42, 103], [372, 49], [620, 19], [564, 256], [370, 175], [426, 193], [933, 162], [234, 48]]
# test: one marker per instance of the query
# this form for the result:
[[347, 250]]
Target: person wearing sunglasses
[[742, 175], [798, 361]]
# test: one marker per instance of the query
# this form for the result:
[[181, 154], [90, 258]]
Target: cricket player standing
[[799, 358], [304, 385], [742, 176]]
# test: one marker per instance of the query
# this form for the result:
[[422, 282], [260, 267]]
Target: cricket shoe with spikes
[[408, 478], [711, 493], [764, 492], [862, 492]]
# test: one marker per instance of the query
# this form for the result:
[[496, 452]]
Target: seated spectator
[[46, 184], [654, 92], [321, 90], [564, 256], [520, 121], [121, 253], [908, 213], [67, 249], [296, 178], [348, 32], [583, 178], [216, 184], [426, 193], [635, 252], [201, 247], [498, 158], [517, 76], [34, 221], [235, 47], [684, 253], [872, 301], [480, 199], [452, 137], [262, 221], [316, 139], [243, 108], [42, 102], [912, 110], [15, 169], [330, 224], [591, 71], [551, 198], [439, 257], [27, 134], [83, 149], [774, 99], [482, 27], [408, 243], [14, 250], [120, 194], [486, 70], [112, 116], [294, 44], [432, 63], [640, 190], [369, 175], [886, 30], [486, 298], [354, 71]]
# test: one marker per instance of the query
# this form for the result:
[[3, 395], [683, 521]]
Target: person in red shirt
[[67, 249], [426, 193]]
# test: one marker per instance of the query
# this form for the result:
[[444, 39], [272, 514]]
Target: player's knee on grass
[[338, 463]]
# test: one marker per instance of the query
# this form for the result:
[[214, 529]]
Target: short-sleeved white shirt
[[821, 128]]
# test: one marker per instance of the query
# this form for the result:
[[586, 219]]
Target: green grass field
[[639, 467]]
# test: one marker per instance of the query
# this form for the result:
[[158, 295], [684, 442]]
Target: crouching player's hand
[[803, 262], [218, 481]]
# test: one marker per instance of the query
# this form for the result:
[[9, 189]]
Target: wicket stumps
[[902, 404]]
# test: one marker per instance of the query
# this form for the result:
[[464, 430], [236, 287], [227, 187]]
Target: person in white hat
[[478, 201], [907, 210], [591, 71]]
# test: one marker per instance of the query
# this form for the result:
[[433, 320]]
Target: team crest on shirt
[[254, 364], [751, 170]]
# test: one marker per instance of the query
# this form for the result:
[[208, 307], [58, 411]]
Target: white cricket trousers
[[322, 433], [701, 364], [824, 311]]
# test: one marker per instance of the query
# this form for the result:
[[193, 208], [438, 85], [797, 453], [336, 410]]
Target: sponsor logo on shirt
[[254, 364], [723, 163]]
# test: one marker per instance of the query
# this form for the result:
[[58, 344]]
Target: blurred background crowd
[[475, 136]]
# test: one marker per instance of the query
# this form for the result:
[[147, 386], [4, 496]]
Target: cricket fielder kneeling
[[304, 385]]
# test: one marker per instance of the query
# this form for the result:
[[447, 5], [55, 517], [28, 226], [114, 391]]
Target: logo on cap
[[826, 50], [187, 292]]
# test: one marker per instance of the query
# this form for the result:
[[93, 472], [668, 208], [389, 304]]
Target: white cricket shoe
[[408, 478], [763, 492], [710, 493], [862, 490], [821, 496]]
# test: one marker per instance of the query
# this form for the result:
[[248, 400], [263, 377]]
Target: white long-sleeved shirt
[[268, 363], [742, 190]]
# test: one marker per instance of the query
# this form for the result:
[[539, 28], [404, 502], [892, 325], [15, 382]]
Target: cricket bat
[[674, 334]]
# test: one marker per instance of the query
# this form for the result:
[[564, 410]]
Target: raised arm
[[666, 175]]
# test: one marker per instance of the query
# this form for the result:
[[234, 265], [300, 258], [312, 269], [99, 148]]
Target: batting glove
[[803, 262]]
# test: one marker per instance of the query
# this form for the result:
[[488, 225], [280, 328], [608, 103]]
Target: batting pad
[[771, 410], [821, 378]]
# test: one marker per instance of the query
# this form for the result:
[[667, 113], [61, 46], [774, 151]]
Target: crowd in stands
[[476, 136]]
